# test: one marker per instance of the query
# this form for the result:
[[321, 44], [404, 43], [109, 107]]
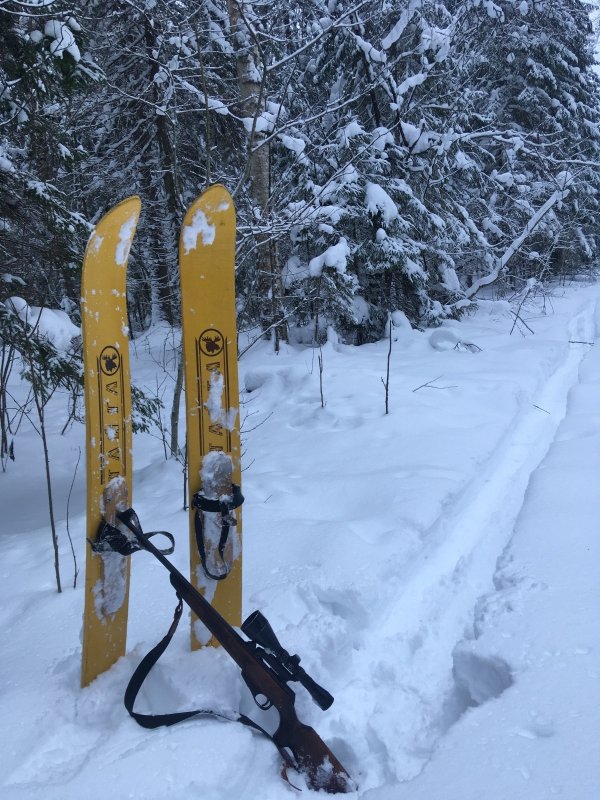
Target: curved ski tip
[[115, 229], [215, 198], [217, 189], [129, 204], [210, 211]]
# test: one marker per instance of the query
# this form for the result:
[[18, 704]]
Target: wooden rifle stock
[[311, 756]]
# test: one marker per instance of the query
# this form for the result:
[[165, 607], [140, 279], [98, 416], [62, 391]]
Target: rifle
[[266, 667]]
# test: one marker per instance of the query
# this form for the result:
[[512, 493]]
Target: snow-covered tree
[[381, 156], [372, 225], [42, 66], [531, 80]]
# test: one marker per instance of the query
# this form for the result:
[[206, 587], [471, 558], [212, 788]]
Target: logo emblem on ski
[[112, 421], [207, 274]]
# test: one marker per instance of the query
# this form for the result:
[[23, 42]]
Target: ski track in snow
[[378, 598], [439, 589], [534, 632], [479, 522]]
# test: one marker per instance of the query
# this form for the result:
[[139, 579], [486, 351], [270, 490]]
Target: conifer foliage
[[43, 65]]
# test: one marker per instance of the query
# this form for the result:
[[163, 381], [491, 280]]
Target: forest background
[[384, 157]]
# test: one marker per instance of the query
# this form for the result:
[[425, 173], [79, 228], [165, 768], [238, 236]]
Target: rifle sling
[[159, 720]]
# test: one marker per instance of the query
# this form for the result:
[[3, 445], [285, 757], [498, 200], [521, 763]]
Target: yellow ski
[[108, 429], [207, 271]]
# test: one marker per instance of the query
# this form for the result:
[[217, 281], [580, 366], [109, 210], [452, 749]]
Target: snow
[[350, 131], [360, 309], [51, 324], [398, 29], [381, 137], [401, 324], [214, 403], [438, 41], [409, 83], [416, 139], [293, 272], [109, 593], [379, 202], [199, 226], [7, 277], [262, 123], [217, 105], [450, 279], [126, 234], [435, 568], [215, 480], [216, 471], [556, 197], [493, 11], [292, 143], [371, 53], [63, 39], [335, 257]]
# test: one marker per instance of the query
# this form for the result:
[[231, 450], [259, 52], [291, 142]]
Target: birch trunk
[[251, 77]]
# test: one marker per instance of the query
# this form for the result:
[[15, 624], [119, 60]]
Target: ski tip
[[213, 200], [115, 229], [216, 191], [213, 208], [132, 204]]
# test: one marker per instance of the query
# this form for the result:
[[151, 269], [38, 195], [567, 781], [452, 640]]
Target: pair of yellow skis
[[206, 260]]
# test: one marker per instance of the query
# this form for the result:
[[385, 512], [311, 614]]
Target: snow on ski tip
[[198, 227], [126, 234]]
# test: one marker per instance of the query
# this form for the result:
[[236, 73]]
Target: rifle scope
[[287, 667]]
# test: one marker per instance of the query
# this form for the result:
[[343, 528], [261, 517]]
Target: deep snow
[[436, 568]]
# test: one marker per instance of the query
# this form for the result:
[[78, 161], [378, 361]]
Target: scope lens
[[257, 628]]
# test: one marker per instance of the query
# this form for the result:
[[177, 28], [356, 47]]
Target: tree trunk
[[165, 202], [174, 445], [251, 75], [39, 405]]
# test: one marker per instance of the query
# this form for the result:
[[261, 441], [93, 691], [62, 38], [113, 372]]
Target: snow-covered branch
[[556, 197]]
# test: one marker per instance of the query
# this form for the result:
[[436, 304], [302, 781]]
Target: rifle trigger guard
[[263, 706]]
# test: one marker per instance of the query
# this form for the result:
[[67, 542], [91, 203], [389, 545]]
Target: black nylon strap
[[111, 539], [140, 675], [202, 503], [130, 520], [159, 720]]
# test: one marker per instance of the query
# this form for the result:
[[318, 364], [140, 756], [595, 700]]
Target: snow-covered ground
[[436, 568]]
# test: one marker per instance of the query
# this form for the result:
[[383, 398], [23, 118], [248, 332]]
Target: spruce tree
[[42, 67]]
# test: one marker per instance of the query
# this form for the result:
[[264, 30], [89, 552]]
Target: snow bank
[[51, 324]]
